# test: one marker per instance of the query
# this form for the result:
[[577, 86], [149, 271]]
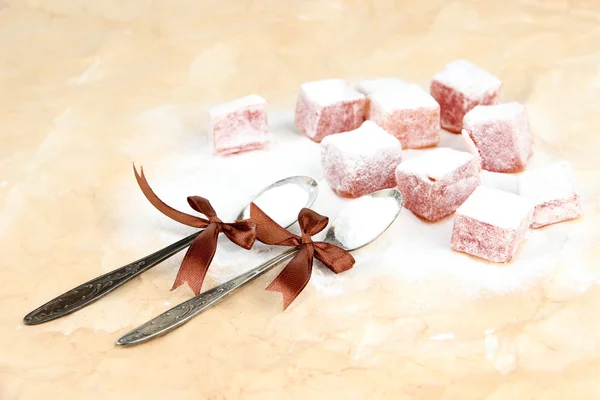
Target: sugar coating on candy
[[500, 135], [371, 86], [361, 161], [436, 183], [491, 224], [553, 191], [239, 125], [327, 107], [459, 87], [410, 114]]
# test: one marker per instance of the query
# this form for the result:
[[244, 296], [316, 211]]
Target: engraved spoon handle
[[182, 313], [91, 291]]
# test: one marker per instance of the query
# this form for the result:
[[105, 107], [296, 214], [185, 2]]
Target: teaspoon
[[88, 292], [386, 208]]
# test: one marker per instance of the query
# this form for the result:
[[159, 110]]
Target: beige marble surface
[[90, 86]]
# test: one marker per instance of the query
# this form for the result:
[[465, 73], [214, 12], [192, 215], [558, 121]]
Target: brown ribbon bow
[[295, 276], [202, 250]]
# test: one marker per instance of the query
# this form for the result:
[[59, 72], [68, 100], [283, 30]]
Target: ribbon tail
[[164, 208], [295, 276], [335, 258], [197, 260]]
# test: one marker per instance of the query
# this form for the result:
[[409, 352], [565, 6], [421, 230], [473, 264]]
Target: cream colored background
[[76, 77]]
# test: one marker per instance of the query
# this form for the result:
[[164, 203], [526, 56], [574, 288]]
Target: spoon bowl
[[305, 184], [377, 211]]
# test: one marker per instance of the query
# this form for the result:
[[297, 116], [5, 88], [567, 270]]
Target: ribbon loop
[[202, 250], [295, 276]]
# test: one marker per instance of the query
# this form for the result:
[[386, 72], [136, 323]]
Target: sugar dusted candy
[[327, 107], [436, 183], [500, 135], [491, 224], [459, 87], [409, 113], [240, 125], [552, 190], [361, 161]]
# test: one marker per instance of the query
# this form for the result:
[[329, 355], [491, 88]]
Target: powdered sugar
[[411, 254], [408, 97], [498, 112], [366, 140], [282, 203], [226, 108], [436, 164], [364, 219], [467, 78], [552, 189], [496, 207], [553, 182], [329, 91]]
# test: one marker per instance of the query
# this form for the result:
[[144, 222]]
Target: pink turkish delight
[[459, 87], [409, 113], [500, 135], [491, 224], [240, 125], [361, 161], [436, 183], [327, 107], [552, 190]]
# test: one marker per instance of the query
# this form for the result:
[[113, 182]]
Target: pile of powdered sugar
[[282, 203], [363, 219]]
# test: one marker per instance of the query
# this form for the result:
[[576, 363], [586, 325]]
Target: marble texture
[[90, 86]]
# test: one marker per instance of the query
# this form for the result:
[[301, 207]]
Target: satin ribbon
[[198, 257], [295, 276]]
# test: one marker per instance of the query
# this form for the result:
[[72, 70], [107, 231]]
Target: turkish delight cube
[[240, 125], [436, 183], [491, 224], [327, 107], [500, 135], [459, 87], [361, 161], [410, 114], [552, 190]]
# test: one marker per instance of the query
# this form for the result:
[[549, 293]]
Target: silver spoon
[[182, 313], [85, 294]]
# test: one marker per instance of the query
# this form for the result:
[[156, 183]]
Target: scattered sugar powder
[[282, 203], [412, 255], [364, 219]]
